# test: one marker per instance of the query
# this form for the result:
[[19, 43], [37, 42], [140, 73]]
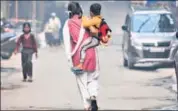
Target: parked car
[[8, 42], [149, 36]]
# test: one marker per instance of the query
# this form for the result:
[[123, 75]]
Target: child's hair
[[26, 24], [74, 9], [95, 8]]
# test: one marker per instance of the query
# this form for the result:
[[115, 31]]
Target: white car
[[8, 43]]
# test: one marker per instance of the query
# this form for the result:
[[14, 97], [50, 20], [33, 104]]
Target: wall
[[4, 5]]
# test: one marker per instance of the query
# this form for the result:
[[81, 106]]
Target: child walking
[[92, 25], [29, 47]]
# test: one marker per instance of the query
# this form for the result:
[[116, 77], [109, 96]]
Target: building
[[4, 9], [25, 9]]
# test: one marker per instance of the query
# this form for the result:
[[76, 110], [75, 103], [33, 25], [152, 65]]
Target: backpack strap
[[96, 27], [103, 22]]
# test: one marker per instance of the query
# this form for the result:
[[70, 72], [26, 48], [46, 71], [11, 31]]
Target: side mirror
[[124, 28], [177, 35]]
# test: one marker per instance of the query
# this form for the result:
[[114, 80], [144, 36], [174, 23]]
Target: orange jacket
[[92, 23]]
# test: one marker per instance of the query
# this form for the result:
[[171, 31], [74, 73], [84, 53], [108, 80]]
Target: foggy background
[[54, 85]]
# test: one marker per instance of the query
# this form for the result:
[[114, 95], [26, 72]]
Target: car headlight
[[136, 43]]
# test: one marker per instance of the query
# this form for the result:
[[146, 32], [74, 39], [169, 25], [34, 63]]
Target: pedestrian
[[48, 34], [88, 80], [52, 30], [29, 47], [93, 24]]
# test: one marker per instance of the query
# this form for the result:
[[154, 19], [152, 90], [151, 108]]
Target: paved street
[[55, 87]]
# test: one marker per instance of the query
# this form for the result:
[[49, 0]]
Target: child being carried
[[98, 28]]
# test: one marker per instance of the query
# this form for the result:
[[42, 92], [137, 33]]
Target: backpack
[[103, 31]]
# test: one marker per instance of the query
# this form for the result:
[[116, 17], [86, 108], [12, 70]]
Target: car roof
[[149, 10], [152, 12]]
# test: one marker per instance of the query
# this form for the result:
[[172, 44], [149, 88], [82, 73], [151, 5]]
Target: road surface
[[54, 86]]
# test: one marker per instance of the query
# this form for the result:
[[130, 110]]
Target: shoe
[[77, 72], [94, 106], [24, 80], [76, 69], [30, 79]]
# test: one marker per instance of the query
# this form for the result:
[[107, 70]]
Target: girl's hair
[[79, 10], [26, 24], [75, 9]]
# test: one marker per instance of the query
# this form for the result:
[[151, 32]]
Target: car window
[[153, 23]]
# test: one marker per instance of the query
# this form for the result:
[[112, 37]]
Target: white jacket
[[66, 37], [67, 42]]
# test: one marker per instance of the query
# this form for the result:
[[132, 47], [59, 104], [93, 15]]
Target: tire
[[130, 64], [7, 56], [125, 63]]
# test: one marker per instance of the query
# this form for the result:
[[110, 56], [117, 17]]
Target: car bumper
[[142, 60], [139, 55]]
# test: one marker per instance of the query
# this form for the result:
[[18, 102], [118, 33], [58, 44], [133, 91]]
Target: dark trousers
[[49, 38], [27, 65]]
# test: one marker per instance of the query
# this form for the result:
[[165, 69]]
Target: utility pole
[[41, 10], [41, 13], [34, 16], [16, 11], [8, 9]]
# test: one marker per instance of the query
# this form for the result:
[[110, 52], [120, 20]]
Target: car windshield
[[148, 23]]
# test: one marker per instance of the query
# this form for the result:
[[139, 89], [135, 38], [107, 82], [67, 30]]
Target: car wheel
[[125, 63], [7, 56], [130, 64]]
